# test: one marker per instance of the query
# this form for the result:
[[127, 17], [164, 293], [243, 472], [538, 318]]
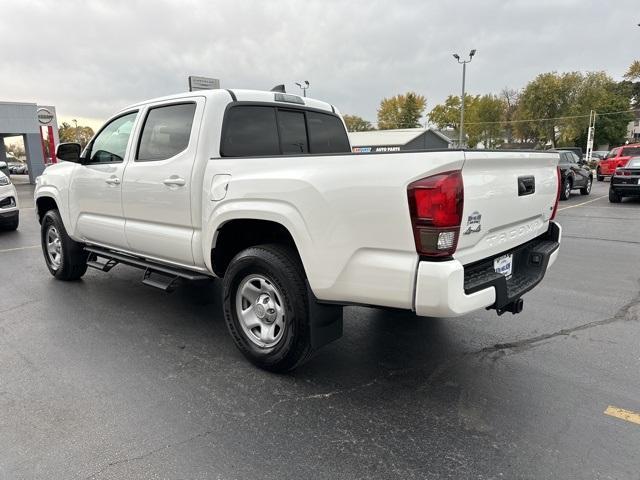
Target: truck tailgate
[[508, 200]]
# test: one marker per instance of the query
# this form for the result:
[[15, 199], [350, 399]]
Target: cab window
[[110, 145], [250, 131], [166, 132]]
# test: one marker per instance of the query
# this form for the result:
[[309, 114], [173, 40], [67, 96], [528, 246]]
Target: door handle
[[174, 182], [113, 181]]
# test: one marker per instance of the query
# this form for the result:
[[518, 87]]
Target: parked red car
[[618, 157]]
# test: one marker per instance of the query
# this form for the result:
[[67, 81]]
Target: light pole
[[464, 72], [303, 86]]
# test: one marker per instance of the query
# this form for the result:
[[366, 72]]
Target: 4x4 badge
[[473, 223]]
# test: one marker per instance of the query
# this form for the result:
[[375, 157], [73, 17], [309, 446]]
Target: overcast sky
[[92, 58]]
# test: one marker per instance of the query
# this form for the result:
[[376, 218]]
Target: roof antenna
[[279, 88]]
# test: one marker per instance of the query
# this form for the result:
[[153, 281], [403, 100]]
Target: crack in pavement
[[621, 315], [530, 342], [146, 454], [208, 432]]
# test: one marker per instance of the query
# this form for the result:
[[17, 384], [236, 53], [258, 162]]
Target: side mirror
[[69, 152], [3, 165]]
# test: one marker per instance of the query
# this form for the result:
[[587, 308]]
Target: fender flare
[[279, 212]]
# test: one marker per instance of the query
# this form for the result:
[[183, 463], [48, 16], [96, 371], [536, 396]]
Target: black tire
[[282, 268], [565, 193], [614, 197], [587, 190], [10, 225], [73, 259], [599, 177]]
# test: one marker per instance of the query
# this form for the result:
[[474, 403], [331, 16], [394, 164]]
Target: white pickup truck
[[261, 189]]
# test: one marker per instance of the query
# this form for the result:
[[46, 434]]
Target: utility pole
[[464, 74], [591, 133]]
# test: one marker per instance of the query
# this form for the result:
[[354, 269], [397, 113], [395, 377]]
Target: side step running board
[[155, 275]]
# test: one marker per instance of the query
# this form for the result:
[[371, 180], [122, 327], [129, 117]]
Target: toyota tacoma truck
[[261, 190]]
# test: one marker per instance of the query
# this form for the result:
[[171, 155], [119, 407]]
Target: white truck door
[[95, 193], [156, 190]]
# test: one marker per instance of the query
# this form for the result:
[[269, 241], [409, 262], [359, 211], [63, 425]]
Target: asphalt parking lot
[[107, 378]]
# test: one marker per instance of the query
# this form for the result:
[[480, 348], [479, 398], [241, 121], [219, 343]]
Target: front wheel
[[65, 258], [586, 190], [266, 307], [599, 176], [614, 197]]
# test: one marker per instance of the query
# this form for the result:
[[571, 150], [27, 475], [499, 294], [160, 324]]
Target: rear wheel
[[566, 189], [65, 258], [614, 197], [586, 190], [266, 307]]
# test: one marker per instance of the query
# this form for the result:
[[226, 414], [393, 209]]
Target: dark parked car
[[625, 181], [575, 174], [576, 150]]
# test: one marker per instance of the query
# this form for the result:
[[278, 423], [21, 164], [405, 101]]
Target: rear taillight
[[435, 205], [559, 185]]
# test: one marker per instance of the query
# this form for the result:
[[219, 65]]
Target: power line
[[567, 117]]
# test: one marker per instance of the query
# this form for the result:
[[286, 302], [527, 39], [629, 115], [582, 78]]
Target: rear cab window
[[271, 130]]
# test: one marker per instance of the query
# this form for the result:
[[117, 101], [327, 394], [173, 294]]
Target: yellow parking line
[[583, 203], [623, 414], [18, 248]]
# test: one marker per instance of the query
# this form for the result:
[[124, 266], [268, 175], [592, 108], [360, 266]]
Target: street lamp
[[464, 72], [303, 86]]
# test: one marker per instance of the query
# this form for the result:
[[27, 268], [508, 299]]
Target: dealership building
[[397, 140], [37, 125]]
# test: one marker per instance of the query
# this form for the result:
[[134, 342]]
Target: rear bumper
[[450, 289], [626, 189], [8, 217]]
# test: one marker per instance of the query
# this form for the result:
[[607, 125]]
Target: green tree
[[357, 124], [78, 134], [401, 111], [483, 117], [447, 114], [548, 96], [633, 73], [631, 83], [488, 112], [510, 99], [598, 91]]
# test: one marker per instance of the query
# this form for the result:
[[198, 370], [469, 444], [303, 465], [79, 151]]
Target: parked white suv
[[9, 212], [262, 190]]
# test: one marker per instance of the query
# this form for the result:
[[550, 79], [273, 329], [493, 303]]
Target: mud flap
[[325, 321]]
